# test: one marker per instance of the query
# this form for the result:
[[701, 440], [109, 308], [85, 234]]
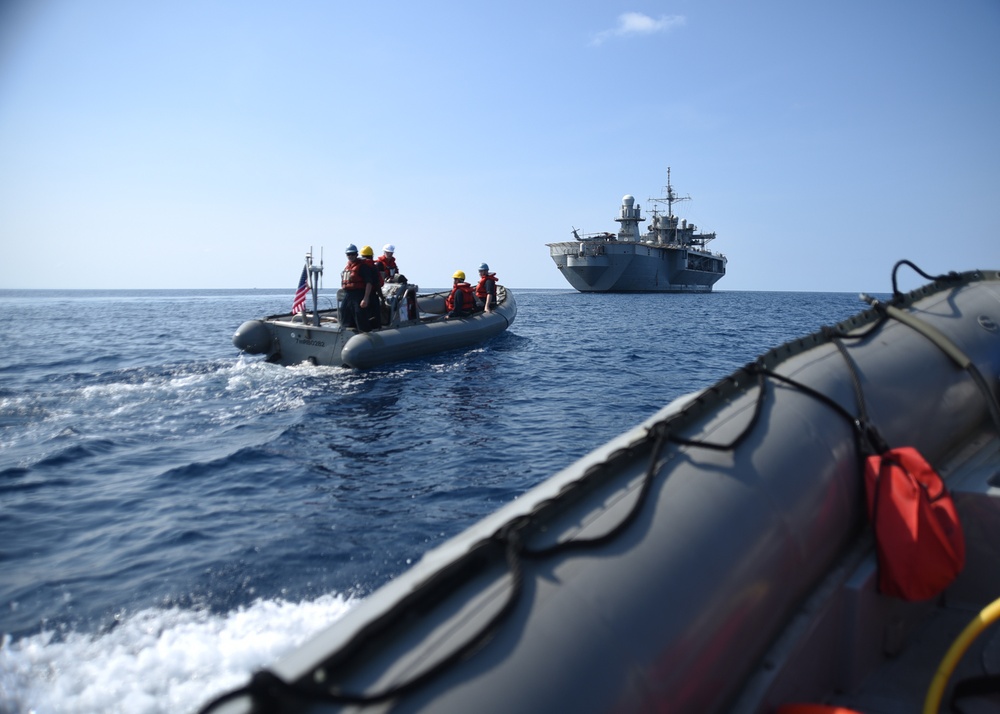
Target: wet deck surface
[[901, 683]]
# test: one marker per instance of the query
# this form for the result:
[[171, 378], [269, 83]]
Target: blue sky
[[210, 143]]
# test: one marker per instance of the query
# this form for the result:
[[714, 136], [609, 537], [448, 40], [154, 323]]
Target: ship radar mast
[[670, 198]]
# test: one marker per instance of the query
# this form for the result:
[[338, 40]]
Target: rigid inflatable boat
[[716, 558], [414, 325]]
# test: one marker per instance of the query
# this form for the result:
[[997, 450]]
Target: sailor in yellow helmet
[[462, 300], [375, 304]]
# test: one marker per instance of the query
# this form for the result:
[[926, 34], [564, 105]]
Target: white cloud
[[635, 23]]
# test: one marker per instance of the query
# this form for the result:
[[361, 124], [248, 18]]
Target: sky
[[212, 143]]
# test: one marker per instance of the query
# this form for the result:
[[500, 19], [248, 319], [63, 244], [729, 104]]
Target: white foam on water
[[156, 660]]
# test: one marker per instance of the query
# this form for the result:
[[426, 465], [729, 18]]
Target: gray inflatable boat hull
[[417, 340], [319, 338]]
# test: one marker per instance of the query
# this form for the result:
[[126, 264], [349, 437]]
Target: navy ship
[[671, 257]]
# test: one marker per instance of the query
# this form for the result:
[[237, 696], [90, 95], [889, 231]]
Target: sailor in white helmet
[[386, 264]]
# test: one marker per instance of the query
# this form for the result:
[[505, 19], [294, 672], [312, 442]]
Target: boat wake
[[156, 660]]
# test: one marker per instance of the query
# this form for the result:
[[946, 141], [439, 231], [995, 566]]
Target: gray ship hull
[[612, 266]]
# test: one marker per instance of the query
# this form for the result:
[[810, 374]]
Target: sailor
[[462, 300], [486, 290], [386, 264], [375, 306], [358, 283]]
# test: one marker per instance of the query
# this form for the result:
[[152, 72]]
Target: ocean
[[175, 515]]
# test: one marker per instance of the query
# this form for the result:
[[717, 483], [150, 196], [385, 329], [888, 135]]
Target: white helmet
[[389, 248]]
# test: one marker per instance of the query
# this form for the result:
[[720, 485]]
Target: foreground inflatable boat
[[716, 558]]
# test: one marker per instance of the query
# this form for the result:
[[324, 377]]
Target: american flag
[[299, 304]]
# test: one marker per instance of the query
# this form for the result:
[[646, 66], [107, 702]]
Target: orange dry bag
[[919, 540]]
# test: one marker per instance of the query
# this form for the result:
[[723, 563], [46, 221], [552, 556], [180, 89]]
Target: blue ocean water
[[174, 515]]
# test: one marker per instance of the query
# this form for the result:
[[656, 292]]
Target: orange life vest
[[468, 297], [353, 276], [387, 266], [482, 290]]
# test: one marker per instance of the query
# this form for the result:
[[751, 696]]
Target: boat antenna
[[314, 278]]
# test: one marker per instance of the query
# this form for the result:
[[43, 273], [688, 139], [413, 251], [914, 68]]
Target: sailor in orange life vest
[[375, 303], [386, 264], [462, 301], [358, 283], [486, 290]]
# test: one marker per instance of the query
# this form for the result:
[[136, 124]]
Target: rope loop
[[897, 296]]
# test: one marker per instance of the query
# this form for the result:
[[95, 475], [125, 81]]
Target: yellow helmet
[[459, 275], [367, 251]]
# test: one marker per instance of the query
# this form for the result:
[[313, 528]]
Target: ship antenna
[[670, 197]]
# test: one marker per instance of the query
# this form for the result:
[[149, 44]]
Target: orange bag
[[921, 548]]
